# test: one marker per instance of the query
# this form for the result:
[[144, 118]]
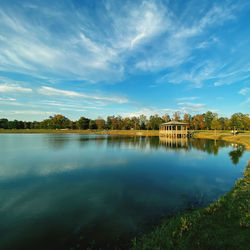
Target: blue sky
[[98, 58]]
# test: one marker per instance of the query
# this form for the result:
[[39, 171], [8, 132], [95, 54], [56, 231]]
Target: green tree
[[135, 122], [100, 123], [198, 122], [92, 124], [177, 116], [154, 122], [109, 122], [143, 121], [215, 124], [166, 118], [236, 121], [187, 119], [127, 124], [83, 123], [4, 123], [209, 116]]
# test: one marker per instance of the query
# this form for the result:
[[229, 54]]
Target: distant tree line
[[208, 120]]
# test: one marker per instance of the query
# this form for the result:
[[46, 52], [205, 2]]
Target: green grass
[[222, 225], [45, 131], [242, 138], [77, 131]]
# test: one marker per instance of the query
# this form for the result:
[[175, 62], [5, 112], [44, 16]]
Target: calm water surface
[[62, 191]]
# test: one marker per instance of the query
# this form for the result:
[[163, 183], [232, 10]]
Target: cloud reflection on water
[[63, 186]]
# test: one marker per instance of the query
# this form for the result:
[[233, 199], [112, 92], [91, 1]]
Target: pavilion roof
[[173, 123]]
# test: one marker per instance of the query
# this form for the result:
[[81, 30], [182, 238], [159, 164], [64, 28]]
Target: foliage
[[215, 124], [208, 121], [208, 117], [83, 123]]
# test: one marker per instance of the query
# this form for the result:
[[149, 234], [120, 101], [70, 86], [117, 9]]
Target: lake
[[59, 191]]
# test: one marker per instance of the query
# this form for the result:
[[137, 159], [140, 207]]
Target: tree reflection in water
[[152, 142], [236, 153]]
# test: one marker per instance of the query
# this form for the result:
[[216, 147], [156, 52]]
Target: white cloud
[[225, 73], [11, 103], [188, 107], [32, 112], [195, 77], [52, 92], [83, 45], [177, 45], [149, 36], [245, 91], [190, 98], [75, 105], [29, 47], [27, 112], [7, 99], [58, 92], [5, 88], [74, 110], [150, 111]]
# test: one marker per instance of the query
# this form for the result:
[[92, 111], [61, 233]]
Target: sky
[[95, 58]]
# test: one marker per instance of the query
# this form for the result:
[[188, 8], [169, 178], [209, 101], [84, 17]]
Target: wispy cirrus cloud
[[64, 105], [245, 91], [189, 98], [177, 46], [5, 88], [213, 72], [183, 107], [148, 112], [27, 112], [81, 49], [48, 91], [59, 51], [7, 99], [86, 45], [192, 108]]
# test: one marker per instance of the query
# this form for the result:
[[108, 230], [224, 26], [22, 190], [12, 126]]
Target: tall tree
[[83, 123], [100, 123], [187, 119], [198, 122], [4, 123], [154, 122], [209, 116], [215, 124], [143, 121], [166, 118], [177, 116], [92, 124], [236, 121], [135, 122]]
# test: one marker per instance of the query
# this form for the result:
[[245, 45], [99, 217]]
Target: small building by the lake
[[174, 129]]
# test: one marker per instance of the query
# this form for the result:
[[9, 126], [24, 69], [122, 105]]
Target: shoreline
[[222, 225], [242, 138], [225, 224], [78, 131]]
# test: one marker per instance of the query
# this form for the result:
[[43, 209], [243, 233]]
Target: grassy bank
[[87, 131], [243, 138], [223, 225]]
